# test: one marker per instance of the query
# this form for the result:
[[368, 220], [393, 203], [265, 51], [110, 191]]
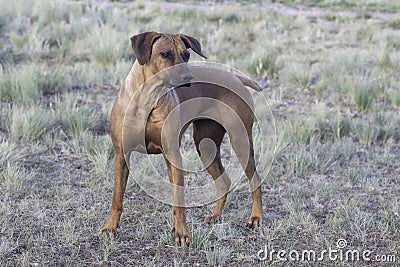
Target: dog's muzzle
[[177, 76], [187, 76]]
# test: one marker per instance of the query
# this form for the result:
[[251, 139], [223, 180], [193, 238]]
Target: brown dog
[[156, 52]]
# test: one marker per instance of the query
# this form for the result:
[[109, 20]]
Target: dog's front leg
[[121, 173], [181, 232]]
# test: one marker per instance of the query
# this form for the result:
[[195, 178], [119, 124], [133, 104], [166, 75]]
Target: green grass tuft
[[363, 96], [73, 118], [395, 98], [28, 125], [301, 78], [14, 179], [19, 85], [9, 154], [365, 132], [106, 45], [299, 131], [18, 40], [266, 64], [331, 128]]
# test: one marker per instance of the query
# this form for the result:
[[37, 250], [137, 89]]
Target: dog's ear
[[142, 44], [191, 42]]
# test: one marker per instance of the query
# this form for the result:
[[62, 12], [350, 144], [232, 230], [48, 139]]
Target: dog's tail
[[250, 83]]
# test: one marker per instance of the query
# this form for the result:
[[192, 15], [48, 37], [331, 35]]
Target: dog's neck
[[143, 82], [135, 78]]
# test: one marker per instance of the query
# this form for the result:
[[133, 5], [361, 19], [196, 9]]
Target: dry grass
[[333, 86]]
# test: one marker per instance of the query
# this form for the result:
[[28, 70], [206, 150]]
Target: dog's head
[[166, 54]]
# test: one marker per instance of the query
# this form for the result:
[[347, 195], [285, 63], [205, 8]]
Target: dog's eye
[[186, 55], [166, 54]]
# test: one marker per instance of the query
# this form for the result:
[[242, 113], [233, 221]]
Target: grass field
[[331, 72]]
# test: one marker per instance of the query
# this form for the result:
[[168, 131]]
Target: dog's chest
[[155, 122], [163, 108]]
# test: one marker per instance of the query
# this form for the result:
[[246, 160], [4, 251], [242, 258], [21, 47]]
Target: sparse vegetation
[[28, 125], [266, 64], [333, 83]]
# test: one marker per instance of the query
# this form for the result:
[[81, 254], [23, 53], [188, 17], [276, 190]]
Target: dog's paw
[[212, 219], [254, 221], [181, 236], [106, 231], [109, 228]]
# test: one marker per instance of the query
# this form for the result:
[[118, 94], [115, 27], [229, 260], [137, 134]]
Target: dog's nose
[[187, 76]]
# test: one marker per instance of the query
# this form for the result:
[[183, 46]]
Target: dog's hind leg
[[243, 147], [208, 129]]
